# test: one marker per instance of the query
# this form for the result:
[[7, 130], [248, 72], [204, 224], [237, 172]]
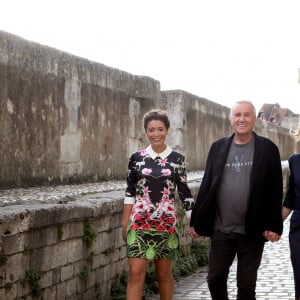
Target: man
[[239, 203]]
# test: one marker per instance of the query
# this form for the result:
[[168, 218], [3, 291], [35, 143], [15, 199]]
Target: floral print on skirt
[[151, 244]]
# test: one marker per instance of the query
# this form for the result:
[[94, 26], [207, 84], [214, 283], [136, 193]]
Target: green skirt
[[150, 244]]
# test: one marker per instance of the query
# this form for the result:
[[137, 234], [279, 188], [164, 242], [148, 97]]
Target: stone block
[[41, 237], [67, 272], [61, 290], [91, 280], [50, 293], [2, 293], [119, 242], [72, 230], [13, 243], [11, 293], [75, 250], [15, 267], [46, 279], [71, 287]]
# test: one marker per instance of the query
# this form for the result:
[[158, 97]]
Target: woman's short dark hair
[[156, 114]]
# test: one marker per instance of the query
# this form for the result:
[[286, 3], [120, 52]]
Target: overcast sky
[[222, 50]]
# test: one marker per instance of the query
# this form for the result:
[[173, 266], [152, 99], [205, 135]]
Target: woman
[[292, 203], [149, 217]]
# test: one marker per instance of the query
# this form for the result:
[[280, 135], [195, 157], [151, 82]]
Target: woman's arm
[[129, 194], [125, 219]]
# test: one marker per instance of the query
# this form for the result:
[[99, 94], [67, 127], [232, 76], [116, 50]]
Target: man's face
[[243, 119]]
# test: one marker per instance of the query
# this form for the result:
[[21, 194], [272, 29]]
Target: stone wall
[[76, 248], [65, 119]]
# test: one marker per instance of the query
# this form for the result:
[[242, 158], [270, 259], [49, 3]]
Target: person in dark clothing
[[292, 203], [239, 203]]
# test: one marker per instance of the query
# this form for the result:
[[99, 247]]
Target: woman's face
[[157, 133]]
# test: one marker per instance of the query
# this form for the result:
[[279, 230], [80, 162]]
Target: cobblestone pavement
[[61, 193], [55, 194], [275, 277]]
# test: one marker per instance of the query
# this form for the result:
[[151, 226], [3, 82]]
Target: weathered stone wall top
[[31, 56]]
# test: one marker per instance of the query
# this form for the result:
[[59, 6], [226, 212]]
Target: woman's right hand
[[125, 219], [124, 232]]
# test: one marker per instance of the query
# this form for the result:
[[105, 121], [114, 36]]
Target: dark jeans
[[224, 248]]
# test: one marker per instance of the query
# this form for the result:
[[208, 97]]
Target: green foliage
[[3, 258], [200, 249], [191, 257], [186, 263], [32, 277], [89, 234], [108, 251], [59, 232], [151, 284], [90, 258], [67, 199], [84, 274], [118, 289], [89, 193], [28, 250], [8, 285]]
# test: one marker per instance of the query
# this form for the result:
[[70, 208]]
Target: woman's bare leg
[[163, 270], [137, 273]]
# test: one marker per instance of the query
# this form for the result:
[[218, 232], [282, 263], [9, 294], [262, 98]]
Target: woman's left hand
[[271, 236], [193, 234]]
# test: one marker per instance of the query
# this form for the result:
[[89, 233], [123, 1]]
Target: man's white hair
[[242, 102]]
